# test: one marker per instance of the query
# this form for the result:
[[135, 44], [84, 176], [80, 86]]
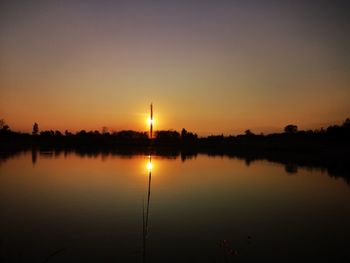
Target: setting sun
[[150, 121]]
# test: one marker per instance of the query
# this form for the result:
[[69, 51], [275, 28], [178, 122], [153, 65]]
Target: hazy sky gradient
[[208, 66]]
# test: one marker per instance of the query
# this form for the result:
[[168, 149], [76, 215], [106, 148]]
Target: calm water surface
[[110, 208]]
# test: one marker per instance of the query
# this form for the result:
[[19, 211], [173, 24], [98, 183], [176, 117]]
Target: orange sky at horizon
[[139, 121], [213, 68]]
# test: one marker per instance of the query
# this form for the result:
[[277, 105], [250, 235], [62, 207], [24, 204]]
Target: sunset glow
[[149, 166], [150, 121], [213, 68], [174, 131]]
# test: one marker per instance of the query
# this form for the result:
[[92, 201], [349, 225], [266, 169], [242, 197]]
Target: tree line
[[291, 137]]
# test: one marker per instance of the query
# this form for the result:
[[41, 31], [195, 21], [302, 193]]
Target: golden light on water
[[149, 166], [149, 163]]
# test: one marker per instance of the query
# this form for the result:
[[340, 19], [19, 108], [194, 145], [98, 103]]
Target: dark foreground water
[[110, 208]]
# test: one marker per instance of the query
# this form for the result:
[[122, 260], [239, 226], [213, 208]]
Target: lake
[[69, 207]]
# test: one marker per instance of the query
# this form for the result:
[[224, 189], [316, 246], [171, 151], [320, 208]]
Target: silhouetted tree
[[249, 132], [167, 136], [188, 136], [339, 132], [3, 126], [105, 130], [81, 133], [183, 132], [35, 129], [291, 129]]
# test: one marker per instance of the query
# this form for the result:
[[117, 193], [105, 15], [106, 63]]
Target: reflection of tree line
[[335, 164]]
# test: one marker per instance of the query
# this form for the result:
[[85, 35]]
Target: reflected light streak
[[146, 216], [149, 166], [149, 163]]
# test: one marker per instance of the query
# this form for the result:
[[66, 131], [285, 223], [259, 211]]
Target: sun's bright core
[[150, 121]]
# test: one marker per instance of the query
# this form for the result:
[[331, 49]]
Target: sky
[[211, 67]]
